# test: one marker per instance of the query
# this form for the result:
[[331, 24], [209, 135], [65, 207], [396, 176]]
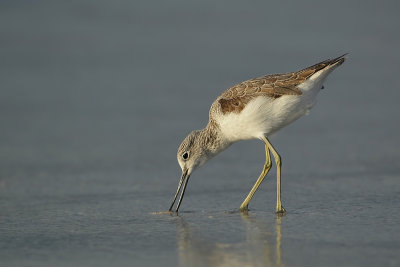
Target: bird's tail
[[326, 63], [316, 74]]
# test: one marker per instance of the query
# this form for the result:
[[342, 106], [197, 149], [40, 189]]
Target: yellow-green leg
[[279, 208], [267, 167]]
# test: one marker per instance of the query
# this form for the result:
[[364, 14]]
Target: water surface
[[96, 97]]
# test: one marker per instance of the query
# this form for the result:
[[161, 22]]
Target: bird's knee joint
[[278, 161], [268, 165]]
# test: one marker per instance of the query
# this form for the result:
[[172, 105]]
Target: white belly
[[263, 116]]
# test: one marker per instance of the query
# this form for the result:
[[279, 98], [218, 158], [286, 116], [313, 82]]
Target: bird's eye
[[185, 155]]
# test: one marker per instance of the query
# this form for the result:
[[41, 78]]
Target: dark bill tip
[[181, 180], [183, 192]]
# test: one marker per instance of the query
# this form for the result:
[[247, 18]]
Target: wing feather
[[274, 86]]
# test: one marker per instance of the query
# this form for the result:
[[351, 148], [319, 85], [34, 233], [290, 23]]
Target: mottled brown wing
[[235, 98]]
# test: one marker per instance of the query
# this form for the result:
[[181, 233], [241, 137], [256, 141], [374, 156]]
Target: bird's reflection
[[259, 245]]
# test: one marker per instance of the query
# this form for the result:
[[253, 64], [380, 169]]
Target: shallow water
[[96, 97]]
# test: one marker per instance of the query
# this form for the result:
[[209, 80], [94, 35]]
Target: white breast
[[264, 115]]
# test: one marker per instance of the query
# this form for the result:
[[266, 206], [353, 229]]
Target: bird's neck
[[213, 138]]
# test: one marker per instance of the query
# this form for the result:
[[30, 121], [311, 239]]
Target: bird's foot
[[244, 209], [280, 210]]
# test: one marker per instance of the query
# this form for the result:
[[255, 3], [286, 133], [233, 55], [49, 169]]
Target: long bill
[[183, 181]]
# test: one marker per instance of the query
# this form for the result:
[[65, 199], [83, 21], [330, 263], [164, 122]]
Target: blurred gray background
[[96, 96]]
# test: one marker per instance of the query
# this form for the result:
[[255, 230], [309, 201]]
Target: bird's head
[[192, 153]]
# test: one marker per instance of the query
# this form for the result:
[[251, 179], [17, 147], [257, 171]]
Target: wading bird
[[253, 109]]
